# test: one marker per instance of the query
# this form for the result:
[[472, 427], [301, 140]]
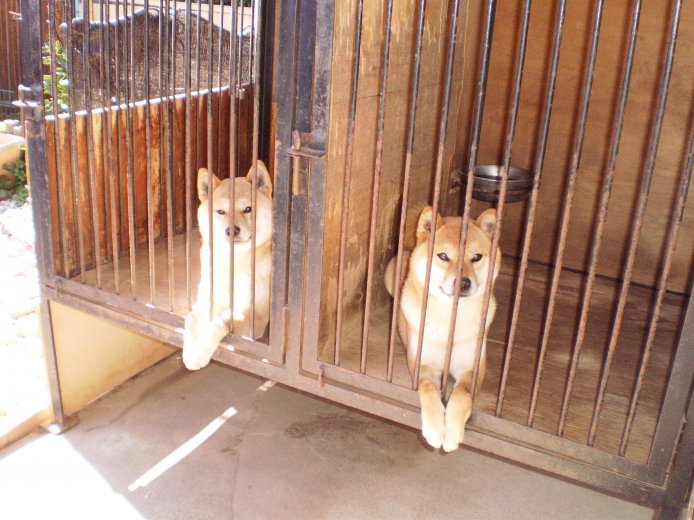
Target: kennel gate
[[304, 83]]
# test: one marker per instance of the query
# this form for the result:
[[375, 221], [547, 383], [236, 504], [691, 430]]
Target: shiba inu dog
[[204, 330], [445, 426]]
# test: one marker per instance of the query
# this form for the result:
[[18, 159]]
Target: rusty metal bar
[[412, 109], [675, 225], [56, 141], [148, 165], [568, 198], [347, 181], [170, 106], [89, 137], [114, 158], [189, 152], [537, 173], [76, 197], [130, 189], [198, 75], [257, 90], [105, 147], [490, 10], [220, 67], [638, 218], [602, 217], [31, 94], [210, 166], [234, 87], [376, 183]]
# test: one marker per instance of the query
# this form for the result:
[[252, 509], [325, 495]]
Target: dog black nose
[[465, 284], [237, 230]]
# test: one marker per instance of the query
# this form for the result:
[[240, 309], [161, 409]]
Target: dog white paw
[[433, 427], [196, 356], [455, 433]]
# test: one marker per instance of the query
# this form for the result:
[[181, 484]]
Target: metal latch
[[304, 145]]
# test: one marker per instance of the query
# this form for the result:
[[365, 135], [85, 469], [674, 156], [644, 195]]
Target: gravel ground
[[22, 372]]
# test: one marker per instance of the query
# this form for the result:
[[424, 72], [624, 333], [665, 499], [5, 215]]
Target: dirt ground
[[22, 374]]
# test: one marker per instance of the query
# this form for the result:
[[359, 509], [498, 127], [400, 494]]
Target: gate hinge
[[306, 145]]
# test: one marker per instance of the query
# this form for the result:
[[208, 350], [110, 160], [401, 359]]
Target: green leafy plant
[[13, 186], [62, 82]]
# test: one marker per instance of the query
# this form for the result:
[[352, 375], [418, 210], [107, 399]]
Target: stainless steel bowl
[[487, 183]]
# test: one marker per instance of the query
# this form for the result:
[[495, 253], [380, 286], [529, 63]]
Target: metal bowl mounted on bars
[[487, 183]]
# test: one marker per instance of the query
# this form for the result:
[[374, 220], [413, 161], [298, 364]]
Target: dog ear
[[424, 224], [487, 222], [263, 182], [207, 183]]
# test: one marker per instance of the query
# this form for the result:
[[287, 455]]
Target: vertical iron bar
[[103, 116], [220, 67], [638, 218], [490, 10], [116, 198], [255, 80], [35, 128], [234, 88], [210, 167], [537, 173], [189, 150], [347, 180], [605, 199], [412, 109], [675, 225], [568, 200], [170, 170], [112, 168], [148, 166], [198, 74], [376, 183], [62, 199], [89, 137], [76, 197], [129, 144]]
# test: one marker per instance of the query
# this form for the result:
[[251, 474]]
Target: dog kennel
[[366, 112]]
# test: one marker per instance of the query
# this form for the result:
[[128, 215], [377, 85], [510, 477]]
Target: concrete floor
[[171, 444]]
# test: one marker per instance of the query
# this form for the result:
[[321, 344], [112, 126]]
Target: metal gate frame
[[300, 171]]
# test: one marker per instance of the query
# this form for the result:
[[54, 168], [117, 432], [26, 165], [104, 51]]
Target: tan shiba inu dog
[[202, 334], [445, 426]]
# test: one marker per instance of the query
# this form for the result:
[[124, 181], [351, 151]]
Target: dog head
[[475, 265], [233, 221]]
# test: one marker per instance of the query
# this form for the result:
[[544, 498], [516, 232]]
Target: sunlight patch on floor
[[182, 451]]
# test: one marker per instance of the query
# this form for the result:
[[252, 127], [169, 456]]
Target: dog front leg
[[459, 407], [199, 355], [433, 423]]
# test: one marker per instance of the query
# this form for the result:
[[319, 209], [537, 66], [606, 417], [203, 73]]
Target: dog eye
[[247, 209], [444, 257], [221, 212], [477, 257]]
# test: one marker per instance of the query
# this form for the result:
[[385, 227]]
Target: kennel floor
[[622, 375]]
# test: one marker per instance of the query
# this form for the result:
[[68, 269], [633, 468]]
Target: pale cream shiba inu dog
[[202, 334], [445, 426]]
